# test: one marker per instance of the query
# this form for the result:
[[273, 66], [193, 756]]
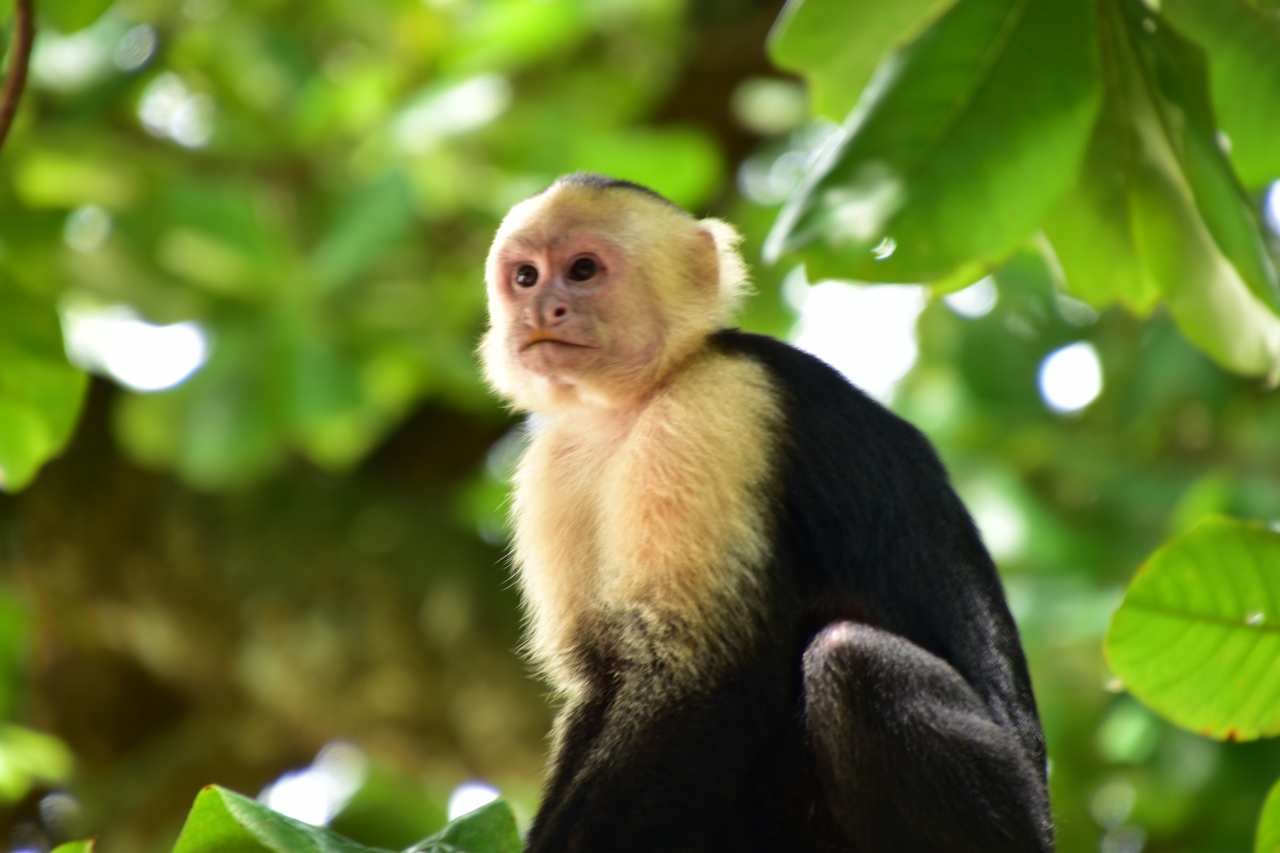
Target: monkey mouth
[[546, 339]]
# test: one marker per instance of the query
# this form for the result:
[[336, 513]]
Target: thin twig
[[15, 81]]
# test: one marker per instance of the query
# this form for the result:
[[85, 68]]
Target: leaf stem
[[16, 80]]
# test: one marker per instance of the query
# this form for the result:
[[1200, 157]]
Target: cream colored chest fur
[[662, 512]]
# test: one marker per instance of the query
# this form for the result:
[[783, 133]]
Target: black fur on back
[[878, 535]]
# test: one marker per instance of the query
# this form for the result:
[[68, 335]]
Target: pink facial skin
[[579, 310]]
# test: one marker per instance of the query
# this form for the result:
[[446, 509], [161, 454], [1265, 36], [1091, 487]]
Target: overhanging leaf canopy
[[1092, 122]]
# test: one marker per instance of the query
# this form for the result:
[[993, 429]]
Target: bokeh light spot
[[1123, 839], [73, 62], [316, 794], [470, 796], [1071, 378], [868, 333], [999, 518], [87, 228], [170, 110], [768, 106], [441, 113], [1271, 208], [135, 48], [1112, 803], [976, 300], [143, 356]]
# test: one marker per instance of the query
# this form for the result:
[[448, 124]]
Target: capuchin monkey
[[772, 623]]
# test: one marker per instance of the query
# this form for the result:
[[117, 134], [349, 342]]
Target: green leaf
[[1093, 230], [1157, 210], [1197, 636], [489, 829], [1269, 826], [836, 44], [40, 393], [223, 821], [959, 146], [1175, 69], [68, 16], [1243, 44]]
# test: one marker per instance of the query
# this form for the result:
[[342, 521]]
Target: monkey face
[[595, 295], [572, 307], [573, 316]]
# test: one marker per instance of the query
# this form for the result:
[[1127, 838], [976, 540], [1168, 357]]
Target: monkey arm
[[909, 755]]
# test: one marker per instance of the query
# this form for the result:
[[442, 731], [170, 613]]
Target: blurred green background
[[273, 549]]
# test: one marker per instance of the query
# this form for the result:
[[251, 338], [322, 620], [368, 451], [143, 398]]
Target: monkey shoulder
[[876, 533], [868, 517], [835, 434]]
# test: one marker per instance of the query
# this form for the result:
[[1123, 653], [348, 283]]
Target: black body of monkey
[[886, 704]]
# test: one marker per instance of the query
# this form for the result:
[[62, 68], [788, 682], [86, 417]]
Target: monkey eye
[[526, 275], [583, 269]]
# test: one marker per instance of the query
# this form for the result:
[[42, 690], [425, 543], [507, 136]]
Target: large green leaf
[[1243, 44], [1093, 230], [836, 44], [960, 144], [40, 393], [1269, 827], [1177, 76], [1157, 210], [223, 821], [1198, 634]]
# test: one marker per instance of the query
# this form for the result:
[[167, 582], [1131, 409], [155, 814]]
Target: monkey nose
[[552, 314]]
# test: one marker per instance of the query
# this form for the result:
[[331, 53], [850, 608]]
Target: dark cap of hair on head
[[604, 182]]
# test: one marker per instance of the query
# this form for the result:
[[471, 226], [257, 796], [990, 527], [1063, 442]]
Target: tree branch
[[15, 81]]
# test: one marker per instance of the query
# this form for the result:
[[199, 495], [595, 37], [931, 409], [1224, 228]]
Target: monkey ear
[[706, 265], [729, 274]]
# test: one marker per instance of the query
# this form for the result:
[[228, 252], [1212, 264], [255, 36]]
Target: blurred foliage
[[40, 393], [1092, 121], [302, 542]]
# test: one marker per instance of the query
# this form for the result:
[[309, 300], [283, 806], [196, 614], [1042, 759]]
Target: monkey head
[[598, 289]]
